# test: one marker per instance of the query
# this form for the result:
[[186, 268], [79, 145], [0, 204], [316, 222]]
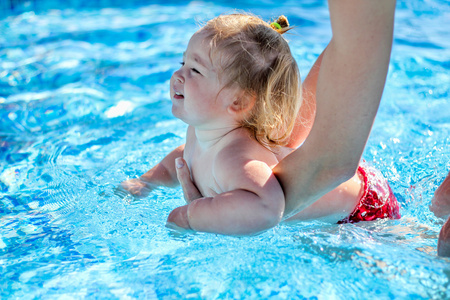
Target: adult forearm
[[353, 74]]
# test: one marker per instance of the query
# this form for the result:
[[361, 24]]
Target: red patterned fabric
[[378, 200]]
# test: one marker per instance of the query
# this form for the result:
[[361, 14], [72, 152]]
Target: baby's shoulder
[[241, 148], [241, 162]]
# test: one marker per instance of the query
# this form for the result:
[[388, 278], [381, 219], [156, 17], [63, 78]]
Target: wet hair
[[253, 55]]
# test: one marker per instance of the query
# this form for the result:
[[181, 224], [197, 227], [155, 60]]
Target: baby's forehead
[[200, 41], [211, 51], [200, 46]]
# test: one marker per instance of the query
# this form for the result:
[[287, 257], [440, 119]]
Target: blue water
[[84, 105]]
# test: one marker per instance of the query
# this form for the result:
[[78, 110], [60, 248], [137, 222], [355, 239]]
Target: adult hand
[[440, 204], [190, 190], [178, 217]]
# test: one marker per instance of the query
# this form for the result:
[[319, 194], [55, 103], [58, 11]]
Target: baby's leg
[[365, 197], [335, 205]]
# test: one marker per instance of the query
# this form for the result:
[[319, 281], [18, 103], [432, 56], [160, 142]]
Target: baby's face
[[198, 96]]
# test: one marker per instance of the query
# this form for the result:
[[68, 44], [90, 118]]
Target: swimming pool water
[[84, 105]]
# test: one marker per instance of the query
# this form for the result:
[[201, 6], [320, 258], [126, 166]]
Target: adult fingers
[[190, 191]]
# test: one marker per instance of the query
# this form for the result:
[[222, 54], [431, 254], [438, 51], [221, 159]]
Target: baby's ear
[[242, 104]]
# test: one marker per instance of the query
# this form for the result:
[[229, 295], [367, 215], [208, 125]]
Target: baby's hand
[[135, 187], [440, 204]]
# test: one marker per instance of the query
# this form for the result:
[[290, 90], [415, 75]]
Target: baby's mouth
[[178, 95]]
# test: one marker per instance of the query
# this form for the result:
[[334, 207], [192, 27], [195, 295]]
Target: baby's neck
[[209, 137]]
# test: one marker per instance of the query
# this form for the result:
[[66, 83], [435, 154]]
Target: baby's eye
[[192, 69]]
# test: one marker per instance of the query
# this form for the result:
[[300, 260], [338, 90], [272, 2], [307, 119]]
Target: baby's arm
[[254, 203], [163, 174]]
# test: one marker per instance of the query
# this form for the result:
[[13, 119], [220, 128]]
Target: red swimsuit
[[378, 200]]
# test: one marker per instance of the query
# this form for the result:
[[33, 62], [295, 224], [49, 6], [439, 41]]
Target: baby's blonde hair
[[252, 54]]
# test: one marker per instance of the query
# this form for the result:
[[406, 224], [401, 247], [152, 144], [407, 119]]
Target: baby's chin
[[176, 113]]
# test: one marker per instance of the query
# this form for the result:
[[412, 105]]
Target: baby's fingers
[[190, 191], [134, 187], [121, 192]]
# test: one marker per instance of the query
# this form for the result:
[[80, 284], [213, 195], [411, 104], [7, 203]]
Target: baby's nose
[[178, 76]]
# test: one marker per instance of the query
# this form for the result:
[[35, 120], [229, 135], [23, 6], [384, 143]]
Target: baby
[[239, 91]]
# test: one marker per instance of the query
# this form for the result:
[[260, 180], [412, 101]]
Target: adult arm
[[307, 112], [349, 88]]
